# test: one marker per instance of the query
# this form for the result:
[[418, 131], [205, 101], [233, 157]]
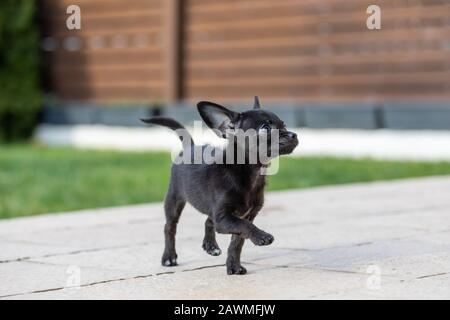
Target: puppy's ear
[[217, 117], [256, 104]]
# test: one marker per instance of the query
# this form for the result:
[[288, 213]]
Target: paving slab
[[382, 240]]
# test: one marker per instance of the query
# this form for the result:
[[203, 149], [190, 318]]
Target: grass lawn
[[36, 179]]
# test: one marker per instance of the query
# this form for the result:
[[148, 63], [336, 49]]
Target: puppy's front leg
[[235, 249], [228, 223], [234, 256]]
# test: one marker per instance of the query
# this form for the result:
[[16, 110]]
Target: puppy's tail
[[181, 131]]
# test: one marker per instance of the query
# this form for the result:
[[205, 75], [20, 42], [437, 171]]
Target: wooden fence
[[134, 51]]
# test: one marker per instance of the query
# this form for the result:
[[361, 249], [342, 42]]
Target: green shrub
[[20, 93]]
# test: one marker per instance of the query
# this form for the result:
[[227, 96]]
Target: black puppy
[[230, 194]]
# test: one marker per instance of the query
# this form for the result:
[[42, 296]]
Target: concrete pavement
[[364, 241]]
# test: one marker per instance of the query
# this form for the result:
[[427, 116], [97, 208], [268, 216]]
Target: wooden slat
[[104, 58], [55, 7], [117, 21], [308, 98], [61, 15], [109, 45], [390, 17], [230, 6], [294, 61], [128, 67], [317, 69], [64, 32], [323, 80], [304, 38], [140, 75], [86, 92], [109, 83], [293, 49], [152, 52], [295, 28], [384, 36], [412, 89]]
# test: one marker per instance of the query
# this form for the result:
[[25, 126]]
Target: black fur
[[231, 195]]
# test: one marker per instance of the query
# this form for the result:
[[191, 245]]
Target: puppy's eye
[[265, 127]]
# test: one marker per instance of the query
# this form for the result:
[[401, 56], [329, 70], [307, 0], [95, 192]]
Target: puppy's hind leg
[[209, 241], [173, 207]]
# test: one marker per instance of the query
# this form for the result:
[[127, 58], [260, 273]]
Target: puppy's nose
[[292, 135]]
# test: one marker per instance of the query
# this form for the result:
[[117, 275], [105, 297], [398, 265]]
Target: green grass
[[35, 179]]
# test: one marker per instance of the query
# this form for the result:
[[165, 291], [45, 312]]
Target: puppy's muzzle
[[288, 142]]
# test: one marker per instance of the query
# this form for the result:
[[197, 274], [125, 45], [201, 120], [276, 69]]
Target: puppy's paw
[[212, 248], [169, 259], [236, 269], [261, 238]]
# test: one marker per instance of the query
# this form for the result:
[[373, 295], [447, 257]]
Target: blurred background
[[368, 104], [291, 53]]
